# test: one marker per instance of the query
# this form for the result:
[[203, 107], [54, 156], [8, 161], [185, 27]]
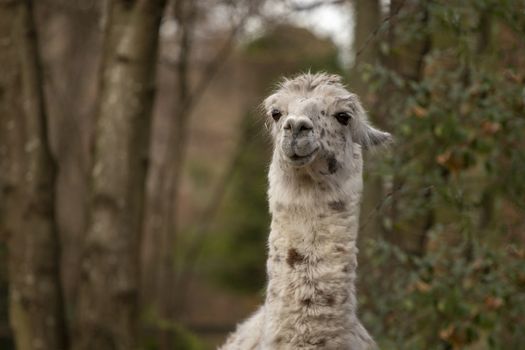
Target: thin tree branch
[[381, 203], [187, 99], [314, 5], [208, 215], [210, 70], [376, 31]]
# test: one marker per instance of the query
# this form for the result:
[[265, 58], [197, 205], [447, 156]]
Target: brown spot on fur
[[346, 268], [294, 257], [278, 340], [332, 164], [317, 342], [340, 249], [279, 206], [337, 205], [322, 186], [327, 299], [306, 302]]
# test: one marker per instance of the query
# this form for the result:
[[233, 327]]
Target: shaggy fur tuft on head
[[309, 82]]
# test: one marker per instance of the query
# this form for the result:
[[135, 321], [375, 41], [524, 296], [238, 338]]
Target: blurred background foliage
[[442, 257], [452, 245]]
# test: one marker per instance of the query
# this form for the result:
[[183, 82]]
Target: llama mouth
[[302, 160]]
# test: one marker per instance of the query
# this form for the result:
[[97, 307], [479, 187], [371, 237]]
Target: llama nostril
[[305, 127]]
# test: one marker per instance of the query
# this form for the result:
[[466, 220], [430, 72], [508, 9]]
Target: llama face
[[307, 129], [315, 122]]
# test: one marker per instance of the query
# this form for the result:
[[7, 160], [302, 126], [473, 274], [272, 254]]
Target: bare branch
[[210, 69], [394, 193], [314, 5], [376, 31], [207, 217]]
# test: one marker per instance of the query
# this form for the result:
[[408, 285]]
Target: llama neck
[[311, 265]]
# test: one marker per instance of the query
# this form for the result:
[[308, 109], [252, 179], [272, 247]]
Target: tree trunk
[[185, 13], [107, 314], [367, 19], [71, 79], [161, 214], [408, 60], [28, 224]]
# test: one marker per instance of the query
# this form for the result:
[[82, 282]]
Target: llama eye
[[276, 114], [343, 117]]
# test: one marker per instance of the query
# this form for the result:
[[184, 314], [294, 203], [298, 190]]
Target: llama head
[[316, 125]]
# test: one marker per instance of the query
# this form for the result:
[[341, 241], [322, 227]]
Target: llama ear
[[362, 131], [373, 137]]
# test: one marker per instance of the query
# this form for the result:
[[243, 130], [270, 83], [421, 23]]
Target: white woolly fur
[[312, 254]]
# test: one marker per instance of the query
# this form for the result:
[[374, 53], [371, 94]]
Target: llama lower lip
[[296, 157], [302, 159]]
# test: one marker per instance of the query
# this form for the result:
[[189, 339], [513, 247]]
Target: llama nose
[[298, 125]]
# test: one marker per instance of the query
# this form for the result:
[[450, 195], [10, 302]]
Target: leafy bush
[[448, 299], [450, 273]]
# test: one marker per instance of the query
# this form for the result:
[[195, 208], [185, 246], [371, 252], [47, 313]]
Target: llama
[[319, 130]]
